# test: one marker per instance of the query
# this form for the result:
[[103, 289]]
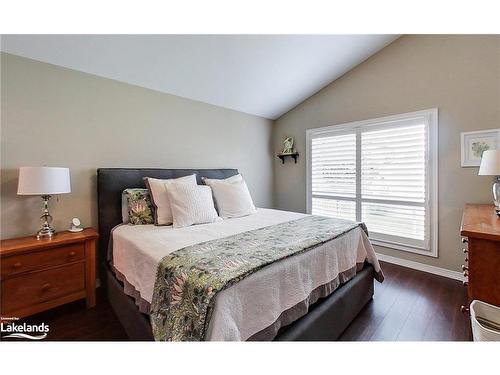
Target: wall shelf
[[294, 156]]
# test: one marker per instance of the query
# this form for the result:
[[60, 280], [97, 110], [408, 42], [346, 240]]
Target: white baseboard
[[421, 267]]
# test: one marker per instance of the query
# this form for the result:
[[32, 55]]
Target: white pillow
[[232, 198], [191, 204], [159, 197], [236, 178]]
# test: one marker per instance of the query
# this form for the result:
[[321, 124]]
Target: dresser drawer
[[42, 259], [37, 287]]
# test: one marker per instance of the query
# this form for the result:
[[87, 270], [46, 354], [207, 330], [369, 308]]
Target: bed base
[[325, 321]]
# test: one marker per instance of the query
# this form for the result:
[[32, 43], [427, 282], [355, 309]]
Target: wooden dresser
[[37, 275], [481, 233]]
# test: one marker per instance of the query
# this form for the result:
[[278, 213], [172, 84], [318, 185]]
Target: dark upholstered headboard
[[112, 181]]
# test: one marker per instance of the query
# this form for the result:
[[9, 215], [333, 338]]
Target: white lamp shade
[[490, 163], [43, 181]]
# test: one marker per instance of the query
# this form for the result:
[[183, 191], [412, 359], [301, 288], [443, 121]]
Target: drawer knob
[[464, 268], [464, 309], [465, 251], [465, 240], [465, 284], [17, 265], [45, 287], [466, 274], [466, 259], [72, 254]]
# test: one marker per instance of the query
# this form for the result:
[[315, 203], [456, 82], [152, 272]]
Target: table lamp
[[44, 181], [490, 166]]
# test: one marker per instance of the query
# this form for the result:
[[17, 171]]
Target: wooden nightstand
[[37, 275]]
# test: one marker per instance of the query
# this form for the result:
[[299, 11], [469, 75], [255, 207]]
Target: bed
[[297, 298]]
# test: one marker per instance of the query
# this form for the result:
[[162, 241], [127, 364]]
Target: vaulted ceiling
[[263, 75]]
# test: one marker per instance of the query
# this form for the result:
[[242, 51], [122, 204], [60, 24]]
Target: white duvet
[[255, 302]]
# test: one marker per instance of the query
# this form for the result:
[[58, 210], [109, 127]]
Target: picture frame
[[473, 144]]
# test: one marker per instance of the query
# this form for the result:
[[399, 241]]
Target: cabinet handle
[[464, 268], [465, 240], [465, 284], [466, 273], [466, 259], [464, 309], [465, 251], [72, 254], [17, 265], [45, 287]]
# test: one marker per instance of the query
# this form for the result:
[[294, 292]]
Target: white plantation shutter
[[393, 183], [334, 165], [381, 172], [333, 174], [334, 208], [393, 163]]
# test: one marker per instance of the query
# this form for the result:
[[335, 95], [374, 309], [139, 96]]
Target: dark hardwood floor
[[412, 305], [409, 305]]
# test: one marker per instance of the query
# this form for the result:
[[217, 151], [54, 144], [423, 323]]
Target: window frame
[[430, 117]]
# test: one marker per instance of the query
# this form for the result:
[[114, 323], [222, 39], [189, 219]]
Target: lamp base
[[46, 231]]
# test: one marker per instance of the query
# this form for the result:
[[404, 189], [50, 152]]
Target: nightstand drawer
[[37, 287], [42, 259]]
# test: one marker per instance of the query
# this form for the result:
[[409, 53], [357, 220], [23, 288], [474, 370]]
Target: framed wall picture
[[475, 143]]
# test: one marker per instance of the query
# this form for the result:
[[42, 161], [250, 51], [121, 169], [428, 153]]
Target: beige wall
[[458, 74], [59, 117]]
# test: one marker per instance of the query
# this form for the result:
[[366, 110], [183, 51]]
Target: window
[[382, 172]]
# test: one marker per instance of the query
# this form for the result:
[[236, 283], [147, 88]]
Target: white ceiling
[[264, 75]]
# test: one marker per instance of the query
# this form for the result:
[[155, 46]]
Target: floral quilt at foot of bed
[[188, 279]]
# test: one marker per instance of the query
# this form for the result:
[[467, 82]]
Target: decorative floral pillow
[[140, 208]]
